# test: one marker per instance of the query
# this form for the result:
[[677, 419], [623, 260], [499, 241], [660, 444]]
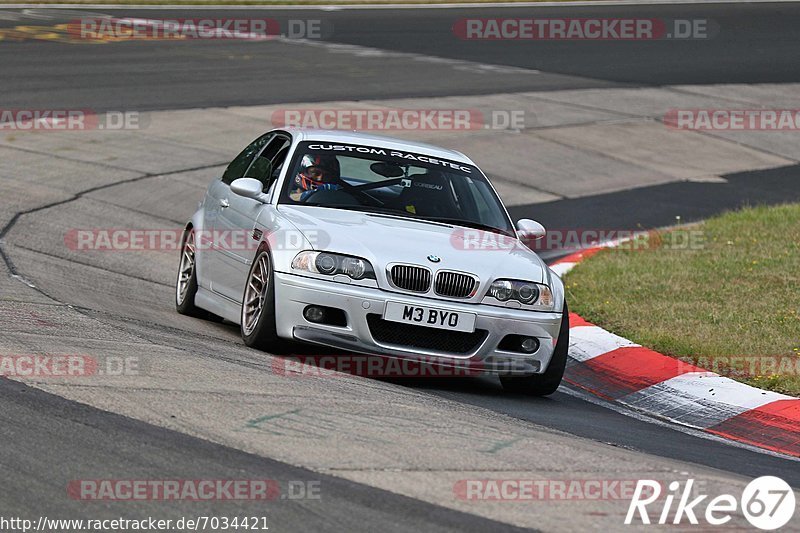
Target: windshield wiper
[[402, 214], [471, 224], [360, 208]]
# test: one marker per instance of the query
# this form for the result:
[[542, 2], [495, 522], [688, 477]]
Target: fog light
[[529, 344], [314, 314]]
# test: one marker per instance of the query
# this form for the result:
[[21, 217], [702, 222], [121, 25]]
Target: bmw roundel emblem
[[434, 258]]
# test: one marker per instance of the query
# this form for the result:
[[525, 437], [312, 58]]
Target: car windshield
[[381, 180]]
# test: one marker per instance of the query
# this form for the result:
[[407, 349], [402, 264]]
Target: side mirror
[[528, 229], [249, 188]]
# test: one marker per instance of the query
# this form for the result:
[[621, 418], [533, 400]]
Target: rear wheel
[[548, 382], [186, 284], [258, 306]]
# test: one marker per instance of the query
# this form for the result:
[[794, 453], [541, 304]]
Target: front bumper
[[294, 293]]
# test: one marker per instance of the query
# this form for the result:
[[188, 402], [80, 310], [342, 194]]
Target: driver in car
[[317, 172]]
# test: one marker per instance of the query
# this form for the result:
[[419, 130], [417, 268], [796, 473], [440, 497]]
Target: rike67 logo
[[767, 502]]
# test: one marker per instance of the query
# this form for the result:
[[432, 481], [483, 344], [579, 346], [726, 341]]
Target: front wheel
[[258, 306], [548, 382]]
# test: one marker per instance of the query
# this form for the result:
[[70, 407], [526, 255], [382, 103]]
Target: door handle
[[224, 203]]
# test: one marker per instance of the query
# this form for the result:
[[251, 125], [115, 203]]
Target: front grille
[[411, 278], [421, 337], [454, 284]]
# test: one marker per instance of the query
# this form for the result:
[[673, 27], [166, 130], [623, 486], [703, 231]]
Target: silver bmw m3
[[374, 245]]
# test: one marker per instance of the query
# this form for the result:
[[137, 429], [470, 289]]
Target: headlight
[[325, 263], [332, 264], [501, 290], [528, 293], [354, 267]]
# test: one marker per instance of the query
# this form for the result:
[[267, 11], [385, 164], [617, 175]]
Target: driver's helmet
[[317, 170]]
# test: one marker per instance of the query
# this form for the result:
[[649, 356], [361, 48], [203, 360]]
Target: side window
[[241, 162], [267, 165], [280, 159]]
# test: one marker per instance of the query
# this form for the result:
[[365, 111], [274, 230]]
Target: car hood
[[385, 239]]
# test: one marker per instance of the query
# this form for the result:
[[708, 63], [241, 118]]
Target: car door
[[236, 240], [218, 200]]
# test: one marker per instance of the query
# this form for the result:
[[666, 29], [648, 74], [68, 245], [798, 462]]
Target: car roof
[[378, 141]]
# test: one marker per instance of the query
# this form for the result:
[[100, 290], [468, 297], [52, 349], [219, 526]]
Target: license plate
[[429, 316]]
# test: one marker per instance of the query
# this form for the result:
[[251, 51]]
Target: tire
[[258, 306], [186, 283], [548, 382]]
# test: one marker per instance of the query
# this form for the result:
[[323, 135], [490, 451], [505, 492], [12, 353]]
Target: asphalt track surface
[[756, 43], [97, 443], [759, 45]]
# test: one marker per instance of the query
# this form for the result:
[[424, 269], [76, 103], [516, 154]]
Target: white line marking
[[562, 268], [700, 400], [651, 419], [588, 342], [366, 51]]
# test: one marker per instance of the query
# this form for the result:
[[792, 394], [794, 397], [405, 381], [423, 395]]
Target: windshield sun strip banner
[[397, 156]]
